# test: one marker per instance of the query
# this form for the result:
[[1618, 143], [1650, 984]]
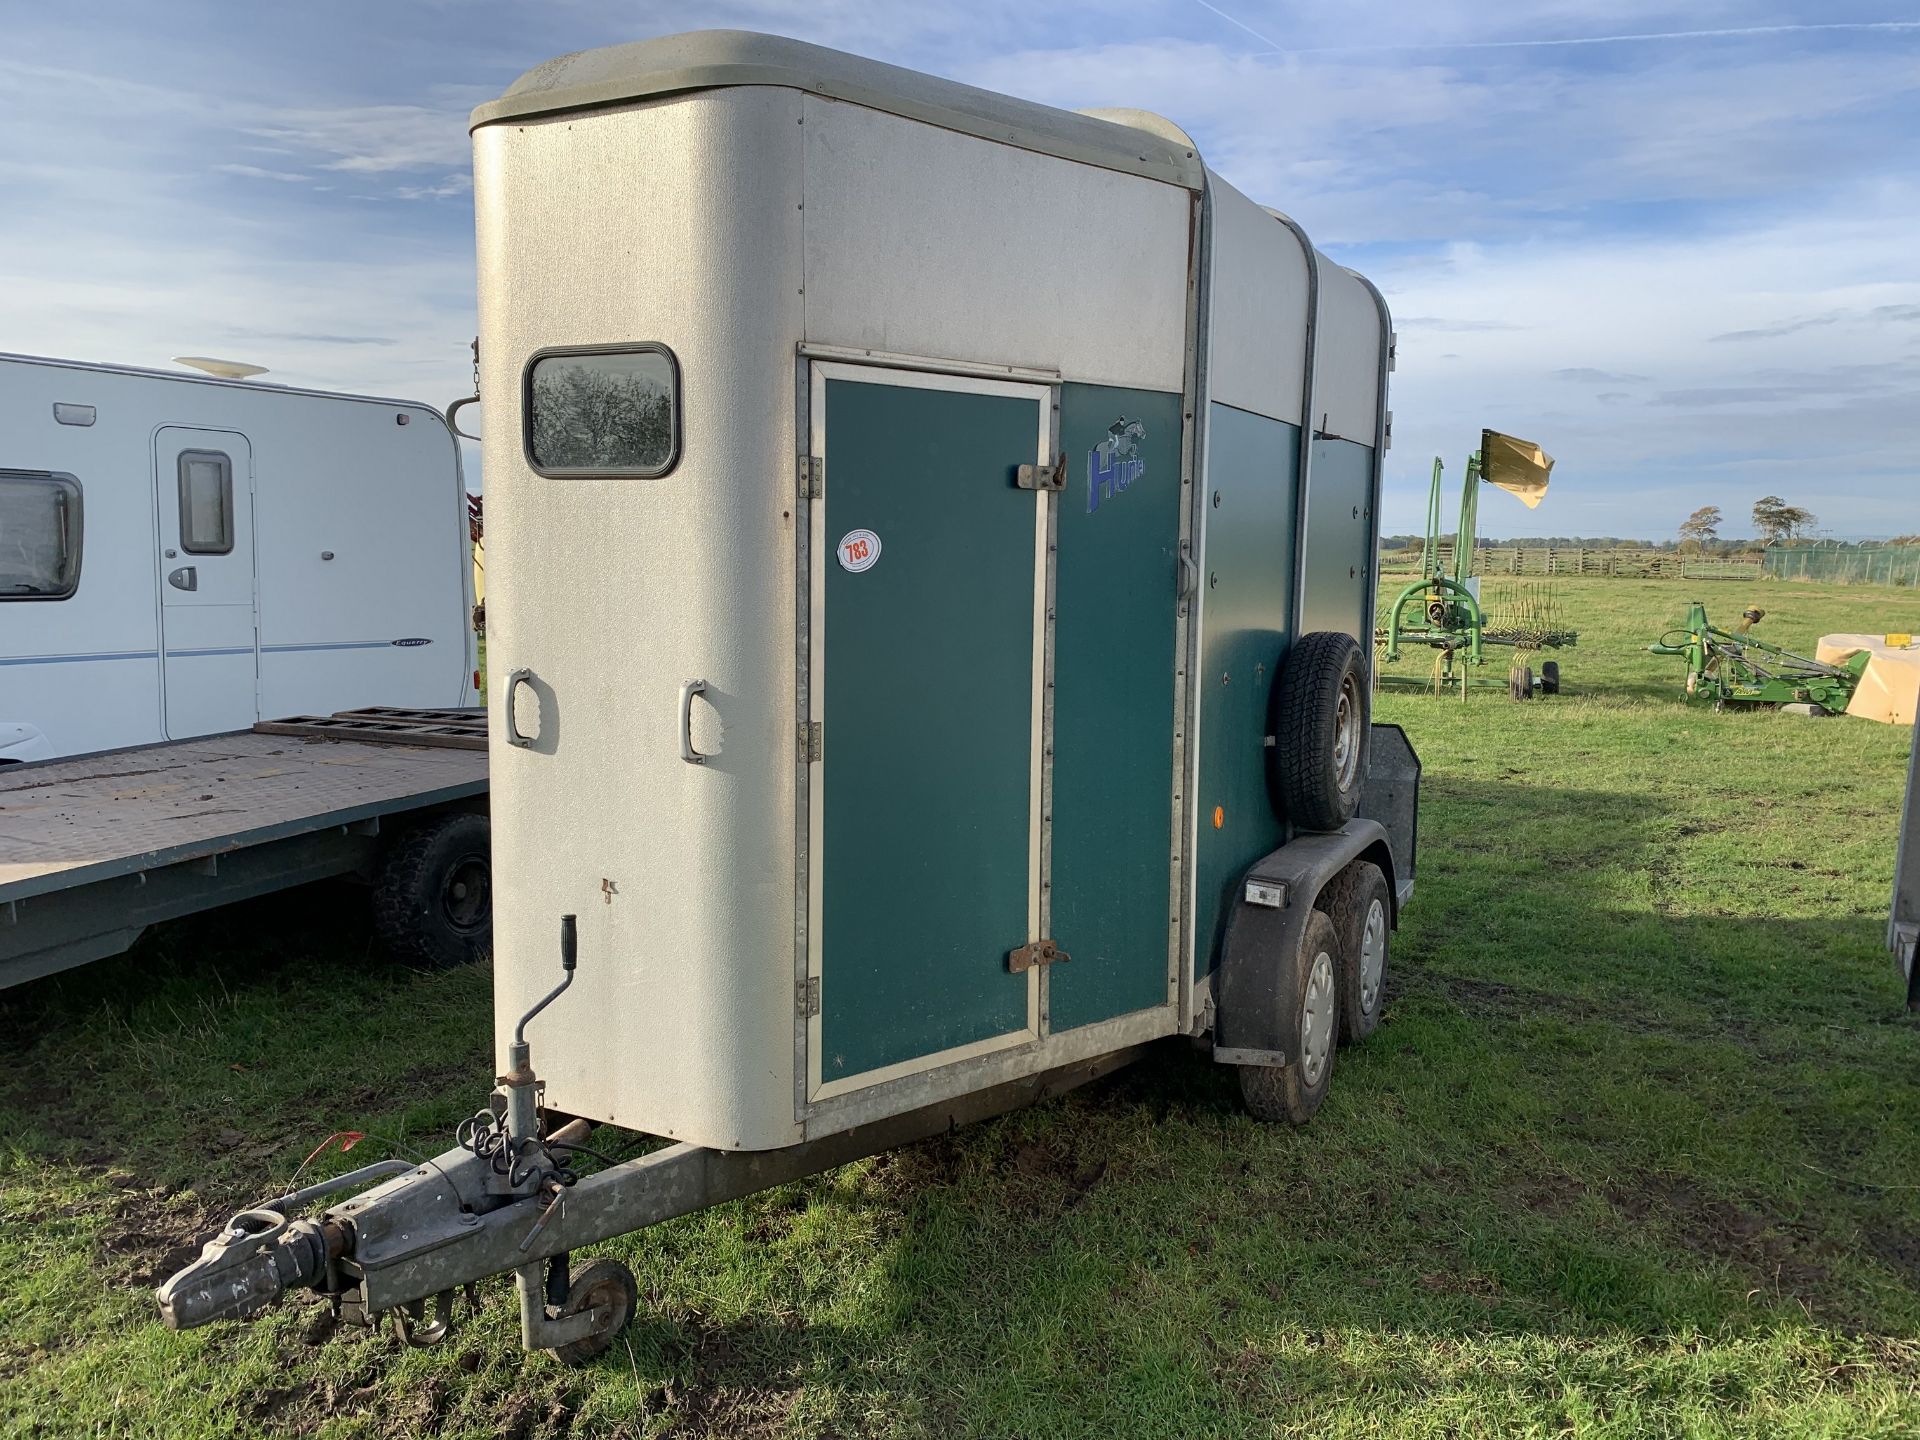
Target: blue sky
[[1679, 245]]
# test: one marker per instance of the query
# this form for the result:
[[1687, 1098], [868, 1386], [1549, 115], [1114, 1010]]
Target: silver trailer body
[[782, 219], [1903, 928]]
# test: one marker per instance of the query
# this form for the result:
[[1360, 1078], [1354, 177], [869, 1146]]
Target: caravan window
[[39, 535], [206, 502], [613, 411]]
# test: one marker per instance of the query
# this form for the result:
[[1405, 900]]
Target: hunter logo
[[1114, 464]]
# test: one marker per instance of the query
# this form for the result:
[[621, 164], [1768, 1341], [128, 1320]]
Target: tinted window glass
[[39, 536], [206, 502], [610, 412]]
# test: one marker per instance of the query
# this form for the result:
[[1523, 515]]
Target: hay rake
[[1453, 614]]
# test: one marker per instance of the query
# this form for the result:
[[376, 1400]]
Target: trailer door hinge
[[813, 477], [811, 747], [807, 993], [1043, 477], [1040, 952]]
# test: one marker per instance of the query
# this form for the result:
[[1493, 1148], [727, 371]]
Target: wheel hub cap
[[1316, 1018], [1346, 734], [1373, 955], [467, 897]]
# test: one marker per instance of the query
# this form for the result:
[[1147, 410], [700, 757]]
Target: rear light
[[476, 679]]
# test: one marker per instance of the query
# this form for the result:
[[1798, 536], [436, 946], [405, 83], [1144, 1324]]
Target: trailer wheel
[[433, 897], [1357, 902], [604, 1282], [1318, 728], [1520, 682], [1549, 677], [1309, 988]]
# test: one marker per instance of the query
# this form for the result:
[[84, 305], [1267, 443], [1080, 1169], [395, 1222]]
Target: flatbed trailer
[[96, 848]]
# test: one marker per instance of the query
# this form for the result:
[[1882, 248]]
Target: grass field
[[1636, 1151]]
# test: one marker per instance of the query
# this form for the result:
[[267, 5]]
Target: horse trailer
[[933, 556], [182, 555]]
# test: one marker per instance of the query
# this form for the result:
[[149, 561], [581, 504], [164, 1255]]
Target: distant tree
[[1776, 520], [1701, 527]]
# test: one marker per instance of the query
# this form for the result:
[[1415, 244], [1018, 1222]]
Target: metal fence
[[1624, 563], [1844, 564]]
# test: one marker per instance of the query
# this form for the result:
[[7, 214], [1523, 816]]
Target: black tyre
[[1317, 732], [1549, 677], [1357, 902], [433, 897], [1309, 990], [1520, 682], [605, 1283]]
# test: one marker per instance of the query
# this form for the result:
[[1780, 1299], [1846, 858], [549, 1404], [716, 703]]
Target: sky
[[1677, 245]]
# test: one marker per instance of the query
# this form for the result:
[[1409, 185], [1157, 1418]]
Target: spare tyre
[[1318, 724]]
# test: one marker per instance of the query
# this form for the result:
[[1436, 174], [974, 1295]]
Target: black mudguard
[[1277, 893]]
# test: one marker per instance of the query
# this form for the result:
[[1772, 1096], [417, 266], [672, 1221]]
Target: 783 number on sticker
[[858, 550]]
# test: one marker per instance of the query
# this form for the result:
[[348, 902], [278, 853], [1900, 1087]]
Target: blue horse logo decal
[[1114, 464]]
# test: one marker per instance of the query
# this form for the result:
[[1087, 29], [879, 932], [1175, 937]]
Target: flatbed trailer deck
[[95, 848]]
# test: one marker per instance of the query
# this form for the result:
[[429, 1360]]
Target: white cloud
[[372, 139], [255, 172]]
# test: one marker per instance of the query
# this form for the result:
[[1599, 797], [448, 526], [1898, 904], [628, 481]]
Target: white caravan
[[182, 555]]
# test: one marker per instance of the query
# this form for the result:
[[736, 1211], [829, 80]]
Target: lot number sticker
[[859, 550]]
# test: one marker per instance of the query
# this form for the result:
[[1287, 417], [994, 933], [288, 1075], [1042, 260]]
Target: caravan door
[[209, 668]]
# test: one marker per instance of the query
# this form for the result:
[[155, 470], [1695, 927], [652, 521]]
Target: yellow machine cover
[[1889, 689], [1518, 467]]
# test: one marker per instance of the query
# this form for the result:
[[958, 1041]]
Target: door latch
[[187, 577], [1043, 477], [1040, 952]]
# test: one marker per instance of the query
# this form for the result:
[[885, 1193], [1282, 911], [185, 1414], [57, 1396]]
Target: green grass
[[1636, 1151]]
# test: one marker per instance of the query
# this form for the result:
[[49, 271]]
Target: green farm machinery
[[1735, 668], [1444, 612]]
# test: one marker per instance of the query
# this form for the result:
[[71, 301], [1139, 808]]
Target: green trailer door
[[928, 607], [1116, 593]]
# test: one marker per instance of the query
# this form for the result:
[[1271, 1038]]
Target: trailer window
[[206, 502], [603, 412], [39, 535]]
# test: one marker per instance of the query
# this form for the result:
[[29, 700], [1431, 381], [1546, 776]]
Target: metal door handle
[[187, 577], [687, 691], [515, 679], [1189, 576]]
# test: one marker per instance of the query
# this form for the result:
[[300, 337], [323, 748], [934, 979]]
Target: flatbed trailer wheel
[[1309, 992], [603, 1283], [1549, 677], [1318, 727], [1357, 902], [433, 896]]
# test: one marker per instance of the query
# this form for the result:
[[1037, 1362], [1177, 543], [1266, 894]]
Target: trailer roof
[[711, 59]]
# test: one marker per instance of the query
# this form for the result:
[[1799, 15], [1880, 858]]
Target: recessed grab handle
[[687, 691], [515, 680]]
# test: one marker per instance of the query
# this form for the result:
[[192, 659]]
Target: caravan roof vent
[[225, 369]]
